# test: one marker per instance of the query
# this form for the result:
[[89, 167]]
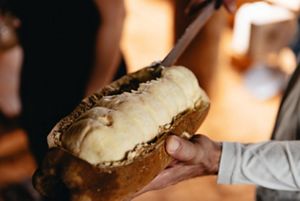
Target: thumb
[[180, 149]]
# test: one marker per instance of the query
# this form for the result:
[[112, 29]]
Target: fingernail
[[172, 145]]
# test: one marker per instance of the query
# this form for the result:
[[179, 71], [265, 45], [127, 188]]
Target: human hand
[[198, 157], [230, 5]]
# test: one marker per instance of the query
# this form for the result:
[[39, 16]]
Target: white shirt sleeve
[[274, 164]]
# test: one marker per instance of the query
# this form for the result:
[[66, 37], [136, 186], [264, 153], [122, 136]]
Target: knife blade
[[206, 11]]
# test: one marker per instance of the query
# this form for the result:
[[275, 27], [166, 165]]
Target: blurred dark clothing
[[296, 44], [23, 191], [58, 38], [264, 194]]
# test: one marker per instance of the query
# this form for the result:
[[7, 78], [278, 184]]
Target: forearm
[[106, 59], [273, 164], [10, 68], [107, 51]]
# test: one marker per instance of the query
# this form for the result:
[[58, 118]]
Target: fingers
[[200, 150], [180, 149], [197, 157], [171, 176], [172, 164]]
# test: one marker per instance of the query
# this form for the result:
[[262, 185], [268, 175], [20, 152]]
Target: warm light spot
[[293, 5], [256, 22]]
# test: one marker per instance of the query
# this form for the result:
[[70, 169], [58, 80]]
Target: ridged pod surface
[[65, 176]]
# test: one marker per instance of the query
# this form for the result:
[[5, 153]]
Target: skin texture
[[108, 43], [197, 157], [10, 66]]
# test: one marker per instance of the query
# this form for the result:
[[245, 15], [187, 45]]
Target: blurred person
[[10, 66], [273, 166], [71, 49]]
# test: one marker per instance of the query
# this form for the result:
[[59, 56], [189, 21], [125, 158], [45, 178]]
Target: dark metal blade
[[189, 34]]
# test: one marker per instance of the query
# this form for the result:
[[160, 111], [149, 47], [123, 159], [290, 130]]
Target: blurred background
[[242, 60]]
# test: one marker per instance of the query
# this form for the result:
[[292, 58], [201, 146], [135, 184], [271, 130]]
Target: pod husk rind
[[63, 176]]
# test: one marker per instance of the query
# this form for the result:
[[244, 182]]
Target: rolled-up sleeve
[[273, 164]]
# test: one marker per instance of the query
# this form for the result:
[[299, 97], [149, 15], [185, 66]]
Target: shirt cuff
[[228, 162]]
